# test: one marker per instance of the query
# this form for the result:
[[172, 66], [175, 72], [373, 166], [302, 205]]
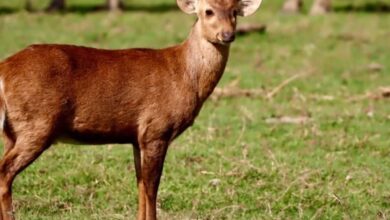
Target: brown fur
[[146, 97]]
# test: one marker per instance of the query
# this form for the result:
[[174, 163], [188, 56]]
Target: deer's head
[[218, 18]]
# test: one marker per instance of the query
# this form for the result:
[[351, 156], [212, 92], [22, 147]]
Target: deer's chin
[[220, 42], [227, 42], [224, 43], [217, 41]]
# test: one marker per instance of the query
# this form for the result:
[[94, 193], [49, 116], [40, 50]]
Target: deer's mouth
[[226, 39]]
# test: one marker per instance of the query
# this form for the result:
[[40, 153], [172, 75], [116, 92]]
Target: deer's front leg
[[141, 215], [152, 156]]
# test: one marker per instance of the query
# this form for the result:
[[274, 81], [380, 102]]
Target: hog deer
[[146, 97]]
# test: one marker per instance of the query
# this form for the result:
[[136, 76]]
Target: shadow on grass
[[84, 9], [369, 7], [7, 10]]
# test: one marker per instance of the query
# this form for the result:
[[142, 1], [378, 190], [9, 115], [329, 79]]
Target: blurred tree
[[292, 6], [58, 5], [114, 5], [28, 5], [319, 6]]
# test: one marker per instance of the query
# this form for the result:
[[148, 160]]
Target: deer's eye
[[209, 12]]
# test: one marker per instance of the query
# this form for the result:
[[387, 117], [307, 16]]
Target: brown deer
[[146, 97]]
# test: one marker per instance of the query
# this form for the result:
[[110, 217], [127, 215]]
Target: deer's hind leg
[[29, 143]]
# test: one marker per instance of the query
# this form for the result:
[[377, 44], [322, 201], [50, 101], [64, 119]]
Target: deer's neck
[[205, 62]]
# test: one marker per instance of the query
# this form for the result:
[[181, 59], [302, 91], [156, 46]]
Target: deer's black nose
[[228, 37]]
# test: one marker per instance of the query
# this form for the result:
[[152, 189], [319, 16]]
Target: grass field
[[318, 148]]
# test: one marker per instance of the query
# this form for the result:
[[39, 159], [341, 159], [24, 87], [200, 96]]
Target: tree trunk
[[56, 5], [114, 5], [321, 7], [28, 6], [292, 6]]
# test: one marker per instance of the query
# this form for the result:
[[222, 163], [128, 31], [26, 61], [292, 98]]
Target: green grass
[[336, 166]]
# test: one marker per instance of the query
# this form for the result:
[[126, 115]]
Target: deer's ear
[[188, 6], [248, 7]]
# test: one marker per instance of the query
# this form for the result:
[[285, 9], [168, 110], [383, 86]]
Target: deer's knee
[[4, 189]]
